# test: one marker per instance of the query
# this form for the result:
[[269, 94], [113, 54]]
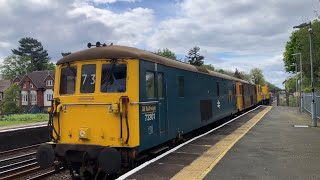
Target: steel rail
[[20, 171], [17, 157], [19, 149], [17, 164]]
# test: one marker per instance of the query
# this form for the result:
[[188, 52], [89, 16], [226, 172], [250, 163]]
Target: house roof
[[4, 84], [19, 77], [38, 77], [119, 52]]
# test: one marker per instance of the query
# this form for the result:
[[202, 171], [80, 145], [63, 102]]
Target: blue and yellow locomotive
[[111, 103]]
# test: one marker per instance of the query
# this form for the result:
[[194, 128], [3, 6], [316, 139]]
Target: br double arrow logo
[[218, 104]]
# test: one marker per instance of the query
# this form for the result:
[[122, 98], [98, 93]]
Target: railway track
[[21, 163]]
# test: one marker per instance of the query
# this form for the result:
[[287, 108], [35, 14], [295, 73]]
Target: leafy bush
[[11, 99], [25, 117]]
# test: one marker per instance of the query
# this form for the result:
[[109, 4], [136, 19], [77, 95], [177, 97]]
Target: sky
[[241, 34]]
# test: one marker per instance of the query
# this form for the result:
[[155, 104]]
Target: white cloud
[[254, 32], [112, 1], [238, 26], [64, 26]]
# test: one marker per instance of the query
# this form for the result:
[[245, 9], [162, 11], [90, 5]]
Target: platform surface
[[22, 126], [274, 149], [196, 156]]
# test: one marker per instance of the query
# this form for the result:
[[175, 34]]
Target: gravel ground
[[63, 175]]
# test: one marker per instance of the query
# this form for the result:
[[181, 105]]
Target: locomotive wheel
[[45, 156], [109, 160]]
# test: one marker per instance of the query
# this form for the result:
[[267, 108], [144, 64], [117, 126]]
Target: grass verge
[[14, 119]]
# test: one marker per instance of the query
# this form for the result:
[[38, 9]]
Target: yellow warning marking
[[200, 167]]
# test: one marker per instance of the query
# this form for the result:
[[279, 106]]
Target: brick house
[[4, 85], [36, 90]]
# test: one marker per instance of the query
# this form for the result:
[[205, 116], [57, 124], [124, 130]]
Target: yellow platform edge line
[[192, 172]]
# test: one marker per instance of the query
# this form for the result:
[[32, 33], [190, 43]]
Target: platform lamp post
[[313, 103], [301, 97]]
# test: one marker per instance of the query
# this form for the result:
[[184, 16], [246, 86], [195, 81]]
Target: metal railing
[[307, 103]]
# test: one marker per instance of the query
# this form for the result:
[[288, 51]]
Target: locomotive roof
[[123, 52]]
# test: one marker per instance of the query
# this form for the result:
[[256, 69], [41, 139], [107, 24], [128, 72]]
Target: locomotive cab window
[[150, 85], [68, 78], [88, 78], [114, 78]]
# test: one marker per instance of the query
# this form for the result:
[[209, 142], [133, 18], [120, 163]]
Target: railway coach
[[112, 103]]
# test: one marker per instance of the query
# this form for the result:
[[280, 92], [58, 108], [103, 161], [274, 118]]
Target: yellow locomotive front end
[[93, 120], [90, 95]]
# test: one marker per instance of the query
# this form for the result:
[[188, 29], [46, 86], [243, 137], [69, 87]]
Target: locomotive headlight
[[83, 133]]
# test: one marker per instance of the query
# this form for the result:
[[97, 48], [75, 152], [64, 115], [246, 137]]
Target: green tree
[[257, 76], [299, 42], [10, 100], [51, 66], [32, 48], [237, 74], [245, 76], [15, 65], [167, 53], [208, 66], [194, 57], [290, 85], [225, 71], [272, 87]]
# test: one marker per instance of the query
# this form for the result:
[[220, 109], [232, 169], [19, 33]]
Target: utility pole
[[313, 103]]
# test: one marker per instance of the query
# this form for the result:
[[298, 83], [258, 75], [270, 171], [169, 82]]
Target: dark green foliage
[[194, 57], [224, 71], [290, 85], [10, 101], [32, 48], [208, 66], [272, 87], [15, 65], [237, 74], [299, 42], [167, 53], [257, 76], [51, 66]]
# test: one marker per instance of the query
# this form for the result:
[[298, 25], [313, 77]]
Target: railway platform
[[22, 126], [266, 143]]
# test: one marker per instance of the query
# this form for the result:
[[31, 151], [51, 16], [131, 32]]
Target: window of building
[[24, 97], [181, 86], [49, 82], [24, 85], [68, 80], [150, 83], [114, 78], [160, 85], [33, 97], [218, 89], [88, 78], [31, 85], [49, 97]]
